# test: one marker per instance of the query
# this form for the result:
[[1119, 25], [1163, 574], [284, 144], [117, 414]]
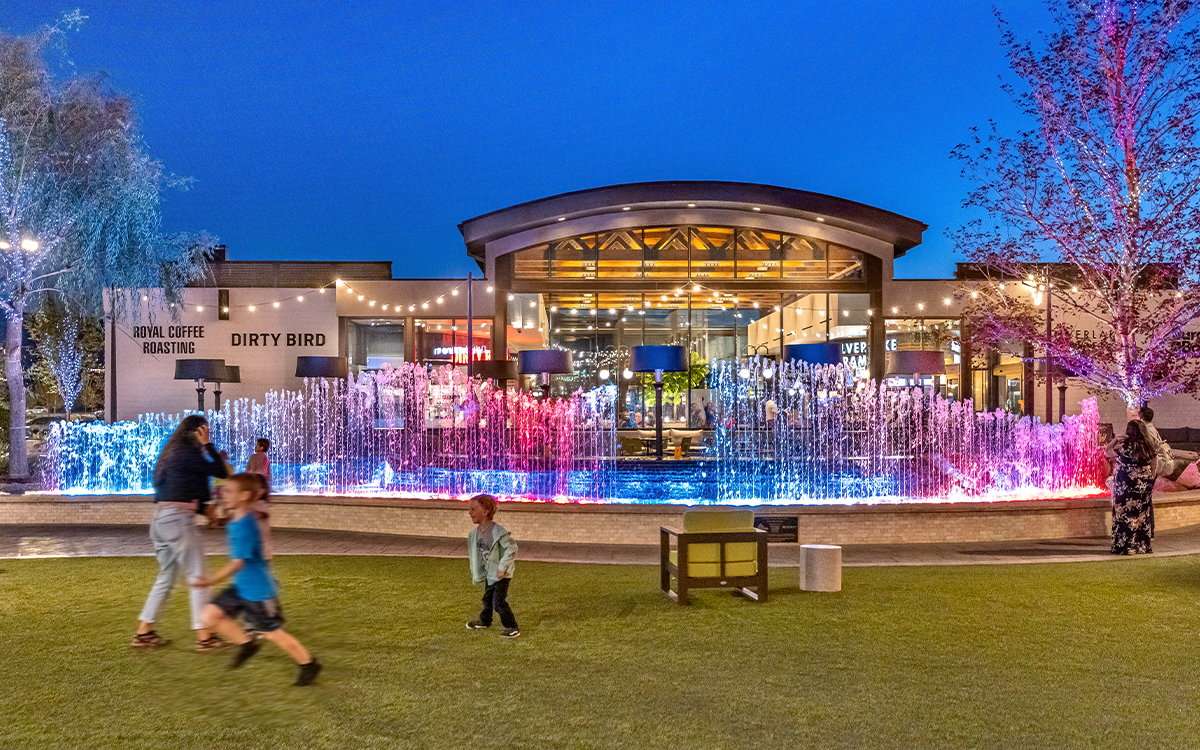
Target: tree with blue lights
[[79, 204], [1096, 207]]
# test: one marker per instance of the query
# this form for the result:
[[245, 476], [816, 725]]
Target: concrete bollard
[[820, 567]]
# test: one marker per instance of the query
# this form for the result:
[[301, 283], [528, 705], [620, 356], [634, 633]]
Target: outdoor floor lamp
[[544, 363], [825, 353], [322, 367], [233, 374], [201, 371], [499, 370], [658, 359], [917, 364]]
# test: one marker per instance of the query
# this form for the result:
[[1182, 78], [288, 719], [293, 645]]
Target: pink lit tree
[[1097, 204]]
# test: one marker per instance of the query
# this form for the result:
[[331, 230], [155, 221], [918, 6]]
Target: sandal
[[212, 643], [149, 640]]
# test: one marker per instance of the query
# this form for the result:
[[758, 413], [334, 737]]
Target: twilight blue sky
[[369, 130]]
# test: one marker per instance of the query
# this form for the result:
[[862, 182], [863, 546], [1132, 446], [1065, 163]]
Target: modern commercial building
[[727, 270]]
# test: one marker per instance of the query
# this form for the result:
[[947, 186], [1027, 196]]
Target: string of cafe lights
[[716, 298], [276, 303]]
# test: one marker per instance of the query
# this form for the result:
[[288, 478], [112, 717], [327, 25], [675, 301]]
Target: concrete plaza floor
[[25, 541]]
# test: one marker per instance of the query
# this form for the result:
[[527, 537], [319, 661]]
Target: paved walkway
[[121, 541]]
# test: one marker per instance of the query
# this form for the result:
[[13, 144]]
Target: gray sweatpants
[[180, 555]]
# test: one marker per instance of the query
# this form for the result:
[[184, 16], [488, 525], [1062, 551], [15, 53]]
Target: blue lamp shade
[[200, 369], [544, 362], [652, 357], [825, 353], [921, 362], [496, 369], [322, 367]]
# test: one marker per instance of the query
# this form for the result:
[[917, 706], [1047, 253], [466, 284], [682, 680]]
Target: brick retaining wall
[[639, 524]]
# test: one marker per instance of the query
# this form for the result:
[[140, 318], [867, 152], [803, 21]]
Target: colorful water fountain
[[417, 432]]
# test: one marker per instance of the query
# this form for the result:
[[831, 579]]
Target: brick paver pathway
[[101, 541]]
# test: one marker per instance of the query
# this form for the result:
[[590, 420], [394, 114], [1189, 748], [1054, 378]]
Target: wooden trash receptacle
[[820, 567]]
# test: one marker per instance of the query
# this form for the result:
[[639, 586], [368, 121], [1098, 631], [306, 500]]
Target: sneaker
[[477, 625], [308, 673], [149, 640], [212, 643], [510, 633], [245, 651]]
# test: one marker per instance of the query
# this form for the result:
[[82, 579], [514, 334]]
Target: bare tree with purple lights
[[1106, 182], [79, 204]]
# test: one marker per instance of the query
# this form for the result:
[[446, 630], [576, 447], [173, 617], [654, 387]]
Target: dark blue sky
[[369, 130]]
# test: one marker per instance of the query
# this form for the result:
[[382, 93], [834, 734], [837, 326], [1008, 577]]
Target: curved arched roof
[[899, 231]]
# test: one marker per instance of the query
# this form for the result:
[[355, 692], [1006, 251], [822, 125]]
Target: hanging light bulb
[[627, 374]]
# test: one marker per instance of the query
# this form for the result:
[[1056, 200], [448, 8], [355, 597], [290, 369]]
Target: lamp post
[[1038, 284], [470, 328], [201, 371], [658, 359], [233, 374], [544, 363]]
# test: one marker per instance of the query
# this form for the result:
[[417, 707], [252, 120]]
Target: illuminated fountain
[[417, 432]]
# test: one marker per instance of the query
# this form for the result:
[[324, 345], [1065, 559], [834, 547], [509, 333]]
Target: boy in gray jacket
[[492, 553]]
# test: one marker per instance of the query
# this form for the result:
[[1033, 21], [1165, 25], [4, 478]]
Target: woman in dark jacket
[[1134, 466], [180, 492]]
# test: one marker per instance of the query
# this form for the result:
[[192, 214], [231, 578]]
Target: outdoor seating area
[[677, 443], [716, 549]]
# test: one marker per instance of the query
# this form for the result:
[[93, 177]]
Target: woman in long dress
[[1134, 469]]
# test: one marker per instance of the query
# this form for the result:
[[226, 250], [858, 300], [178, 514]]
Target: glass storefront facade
[[689, 253], [721, 292]]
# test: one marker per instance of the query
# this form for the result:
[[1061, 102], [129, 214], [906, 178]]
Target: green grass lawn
[[1082, 655]]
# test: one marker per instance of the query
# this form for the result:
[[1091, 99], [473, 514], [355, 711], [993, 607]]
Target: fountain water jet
[[419, 432]]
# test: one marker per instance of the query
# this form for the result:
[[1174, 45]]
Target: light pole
[[658, 359], [1038, 284]]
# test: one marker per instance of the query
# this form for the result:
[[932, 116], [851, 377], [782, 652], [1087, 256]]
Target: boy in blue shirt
[[253, 594]]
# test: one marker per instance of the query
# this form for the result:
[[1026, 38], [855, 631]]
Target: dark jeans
[[495, 597]]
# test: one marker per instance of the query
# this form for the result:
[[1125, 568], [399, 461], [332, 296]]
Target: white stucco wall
[[264, 343]]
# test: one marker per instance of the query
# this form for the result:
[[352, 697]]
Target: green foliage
[[676, 384]]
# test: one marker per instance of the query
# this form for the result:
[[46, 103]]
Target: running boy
[[253, 593], [492, 553]]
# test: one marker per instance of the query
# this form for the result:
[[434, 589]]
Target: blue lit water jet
[[417, 432]]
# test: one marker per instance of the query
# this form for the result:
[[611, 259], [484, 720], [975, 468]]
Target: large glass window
[[667, 252], [689, 253], [712, 253], [373, 342], [926, 334], [758, 254], [620, 254], [443, 341]]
